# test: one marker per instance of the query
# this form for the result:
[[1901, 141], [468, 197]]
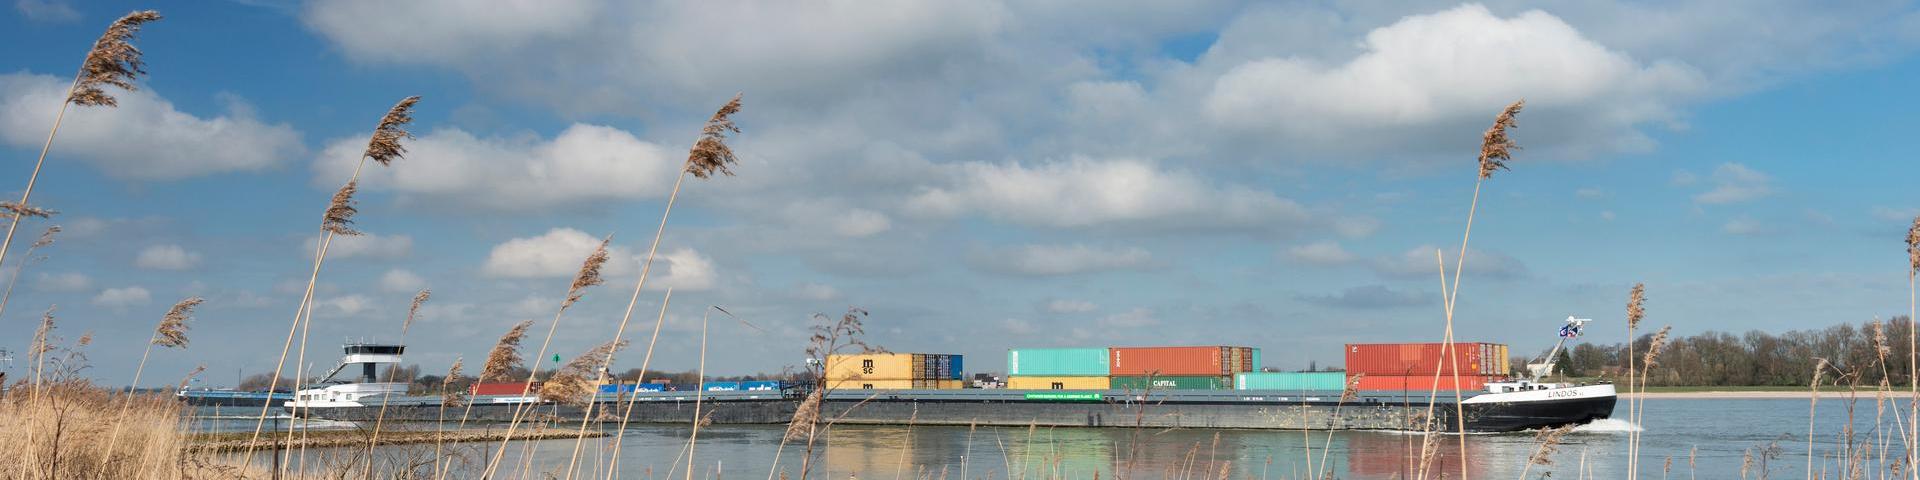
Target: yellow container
[[865, 384], [1058, 383], [871, 366]]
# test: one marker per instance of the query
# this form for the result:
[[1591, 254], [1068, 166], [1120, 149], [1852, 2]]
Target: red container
[[1423, 358], [1207, 361], [504, 388], [1420, 383]]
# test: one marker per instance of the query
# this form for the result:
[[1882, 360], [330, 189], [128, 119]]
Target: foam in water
[[1608, 425]]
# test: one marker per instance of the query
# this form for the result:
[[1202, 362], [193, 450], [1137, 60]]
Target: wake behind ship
[[1149, 387]]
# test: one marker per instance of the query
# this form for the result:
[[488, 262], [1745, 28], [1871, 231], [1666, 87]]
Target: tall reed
[[1549, 443], [1913, 353], [1813, 403], [626, 412], [577, 384], [587, 277], [699, 394], [46, 240], [1496, 148], [1636, 311], [448, 397], [170, 333], [112, 61], [380, 419]]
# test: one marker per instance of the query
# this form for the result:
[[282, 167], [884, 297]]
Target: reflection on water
[[1720, 430]]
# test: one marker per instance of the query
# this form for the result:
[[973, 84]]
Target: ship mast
[[1571, 330]]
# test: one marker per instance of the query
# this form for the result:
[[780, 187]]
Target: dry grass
[[172, 331], [576, 383], [589, 274], [1495, 146], [505, 355], [338, 219], [710, 154], [384, 146], [112, 61], [23, 210], [64, 432]]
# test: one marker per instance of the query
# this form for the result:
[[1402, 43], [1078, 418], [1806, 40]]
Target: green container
[[1057, 362], [1291, 381], [1256, 360], [1170, 382]]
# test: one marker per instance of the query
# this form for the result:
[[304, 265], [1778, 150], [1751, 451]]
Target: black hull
[[1515, 416]]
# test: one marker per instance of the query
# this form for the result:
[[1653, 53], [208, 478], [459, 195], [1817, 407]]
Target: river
[[1706, 438]]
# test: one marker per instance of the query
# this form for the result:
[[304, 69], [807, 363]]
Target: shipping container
[[1290, 381], [761, 385], [1422, 383], [1180, 361], [871, 366], [1426, 358], [720, 386], [1171, 382], [937, 384], [630, 388], [1057, 383], [867, 384], [1057, 362], [1257, 364], [503, 388]]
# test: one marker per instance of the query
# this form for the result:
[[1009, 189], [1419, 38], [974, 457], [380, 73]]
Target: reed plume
[[589, 274], [1654, 348], [448, 396], [46, 240], [1636, 311], [414, 310], [24, 210], [1495, 147], [710, 153], [197, 370], [112, 61], [1813, 402], [339, 217], [1549, 443], [574, 383], [172, 331], [42, 343], [1636, 305], [385, 146], [1913, 344], [505, 355], [804, 417]]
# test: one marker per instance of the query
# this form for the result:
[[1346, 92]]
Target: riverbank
[[236, 441], [1762, 394]]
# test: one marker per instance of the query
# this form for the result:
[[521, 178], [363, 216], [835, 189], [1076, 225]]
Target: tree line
[[1757, 358]]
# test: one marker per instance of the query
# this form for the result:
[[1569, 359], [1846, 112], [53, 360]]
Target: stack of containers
[[1291, 381], [1414, 366], [895, 371], [1182, 368], [1058, 369]]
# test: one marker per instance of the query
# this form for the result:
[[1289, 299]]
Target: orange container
[[1425, 358], [1210, 361]]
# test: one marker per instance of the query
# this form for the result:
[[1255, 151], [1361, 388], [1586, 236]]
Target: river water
[[1716, 434]]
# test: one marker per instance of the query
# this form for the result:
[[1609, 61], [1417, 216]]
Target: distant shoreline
[[1705, 395]]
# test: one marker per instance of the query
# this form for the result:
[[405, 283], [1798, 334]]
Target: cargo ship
[[1387, 387], [231, 398]]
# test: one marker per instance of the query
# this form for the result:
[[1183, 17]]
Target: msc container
[[1421, 383], [1290, 381], [503, 388], [1172, 382], [1057, 383], [1180, 361], [1057, 362], [761, 385], [871, 366], [937, 384], [630, 388], [720, 386], [867, 384], [1425, 358]]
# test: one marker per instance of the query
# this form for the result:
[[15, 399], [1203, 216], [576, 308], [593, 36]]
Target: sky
[[977, 175]]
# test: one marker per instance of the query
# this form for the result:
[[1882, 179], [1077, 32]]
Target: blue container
[[959, 373], [720, 386], [630, 388], [763, 385]]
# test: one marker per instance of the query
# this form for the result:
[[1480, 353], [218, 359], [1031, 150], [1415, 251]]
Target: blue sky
[[978, 175]]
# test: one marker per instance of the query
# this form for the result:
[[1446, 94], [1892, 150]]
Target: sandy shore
[[1867, 395]]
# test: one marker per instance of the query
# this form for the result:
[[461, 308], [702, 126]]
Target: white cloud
[[557, 253], [815, 291], [1084, 192], [64, 282], [861, 222], [401, 281], [166, 257], [1591, 193], [1053, 260], [46, 10], [342, 306], [1420, 262], [1319, 253], [1464, 62], [1135, 318], [1891, 214], [1066, 306], [560, 252], [121, 298], [1370, 297], [583, 163], [443, 29], [365, 245], [144, 138], [1745, 226], [1735, 183]]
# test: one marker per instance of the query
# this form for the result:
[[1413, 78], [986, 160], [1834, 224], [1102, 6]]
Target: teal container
[[1057, 362], [1291, 381], [1256, 360], [1138, 383]]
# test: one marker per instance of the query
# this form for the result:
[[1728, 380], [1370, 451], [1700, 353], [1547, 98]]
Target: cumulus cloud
[[1055, 260], [815, 291], [342, 306], [1084, 192], [1746, 227], [860, 222], [63, 282], [46, 10], [166, 257], [1419, 263], [145, 138], [1735, 183], [1066, 306], [1135, 318], [401, 281], [366, 245], [559, 253], [1319, 253], [122, 298], [582, 164], [1464, 62], [1370, 297]]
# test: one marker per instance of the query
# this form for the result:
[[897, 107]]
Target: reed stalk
[[380, 419], [699, 394], [1813, 403], [447, 396], [46, 239], [587, 277], [1913, 355], [383, 146], [113, 61], [1549, 443], [626, 414], [1636, 311], [171, 333]]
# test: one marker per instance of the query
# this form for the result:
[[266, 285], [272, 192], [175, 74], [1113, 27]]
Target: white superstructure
[[356, 381]]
